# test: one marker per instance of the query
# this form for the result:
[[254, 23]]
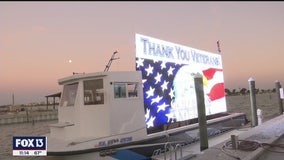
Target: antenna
[[110, 61], [218, 46]]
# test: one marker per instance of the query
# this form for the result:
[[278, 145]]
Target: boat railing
[[178, 147], [157, 152], [173, 148], [168, 147], [170, 151]]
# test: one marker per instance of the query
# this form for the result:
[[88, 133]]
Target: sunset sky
[[37, 40]]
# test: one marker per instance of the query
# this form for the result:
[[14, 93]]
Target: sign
[[168, 71], [29, 146]]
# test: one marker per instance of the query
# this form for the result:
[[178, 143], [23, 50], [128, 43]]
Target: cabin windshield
[[93, 92], [69, 95]]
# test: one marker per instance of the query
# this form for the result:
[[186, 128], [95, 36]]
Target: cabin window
[[93, 92], [119, 90], [124, 90], [69, 95]]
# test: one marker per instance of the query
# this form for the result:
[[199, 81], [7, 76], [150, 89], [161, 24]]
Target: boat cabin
[[97, 105]]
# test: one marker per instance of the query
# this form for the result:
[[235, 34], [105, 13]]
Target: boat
[[104, 113]]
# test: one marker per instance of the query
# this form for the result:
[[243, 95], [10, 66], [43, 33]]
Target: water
[[23, 129]]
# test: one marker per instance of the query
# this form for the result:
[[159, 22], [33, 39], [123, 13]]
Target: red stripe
[[217, 92], [209, 73]]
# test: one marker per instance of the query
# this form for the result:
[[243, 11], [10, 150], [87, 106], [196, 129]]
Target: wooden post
[[46, 103], [201, 111], [277, 87], [13, 99], [253, 102], [54, 103]]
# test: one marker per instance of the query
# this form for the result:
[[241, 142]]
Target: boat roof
[[78, 76]]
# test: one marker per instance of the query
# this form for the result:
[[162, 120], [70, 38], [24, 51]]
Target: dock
[[268, 132]]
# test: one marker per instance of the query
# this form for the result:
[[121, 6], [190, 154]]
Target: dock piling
[[277, 87], [201, 112], [253, 102]]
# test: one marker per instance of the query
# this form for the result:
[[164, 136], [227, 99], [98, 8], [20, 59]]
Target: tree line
[[244, 91]]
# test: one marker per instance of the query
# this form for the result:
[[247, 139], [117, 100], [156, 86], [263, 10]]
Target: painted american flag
[[159, 94]]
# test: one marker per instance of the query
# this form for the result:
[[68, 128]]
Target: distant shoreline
[[28, 116]]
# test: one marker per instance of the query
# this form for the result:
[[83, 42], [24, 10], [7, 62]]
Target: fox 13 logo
[[29, 146]]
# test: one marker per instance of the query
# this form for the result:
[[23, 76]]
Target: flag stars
[[162, 107], [163, 65], [143, 81], [170, 71], [158, 78], [170, 116], [147, 115], [156, 100], [149, 70], [165, 85], [150, 92], [140, 62], [150, 123]]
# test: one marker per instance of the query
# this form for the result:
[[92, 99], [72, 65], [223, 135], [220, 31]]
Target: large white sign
[[168, 72], [155, 49]]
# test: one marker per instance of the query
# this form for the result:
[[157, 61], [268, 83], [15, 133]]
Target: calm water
[[24, 129]]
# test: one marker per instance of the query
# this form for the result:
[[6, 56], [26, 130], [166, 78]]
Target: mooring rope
[[245, 145]]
